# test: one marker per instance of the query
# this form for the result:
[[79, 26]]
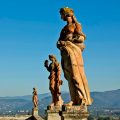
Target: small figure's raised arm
[[46, 63]]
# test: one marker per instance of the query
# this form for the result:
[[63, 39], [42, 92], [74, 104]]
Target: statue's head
[[52, 57], [34, 89], [66, 12]]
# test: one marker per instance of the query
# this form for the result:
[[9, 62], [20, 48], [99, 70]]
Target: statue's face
[[52, 59], [69, 19]]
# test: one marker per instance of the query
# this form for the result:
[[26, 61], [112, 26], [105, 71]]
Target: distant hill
[[26, 97], [107, 99]]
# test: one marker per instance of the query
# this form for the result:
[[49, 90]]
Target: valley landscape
[[105, 104]]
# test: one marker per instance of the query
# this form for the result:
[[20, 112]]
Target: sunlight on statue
[[35, 98], [55, 81], [71, 45]]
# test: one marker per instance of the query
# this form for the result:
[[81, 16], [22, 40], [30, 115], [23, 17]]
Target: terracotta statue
[[35, 98], [55, 82], [71, 45]]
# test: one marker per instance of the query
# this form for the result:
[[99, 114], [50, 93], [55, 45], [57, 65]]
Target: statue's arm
[[79, 36], [60, 43], [46, 65], [67, 36]]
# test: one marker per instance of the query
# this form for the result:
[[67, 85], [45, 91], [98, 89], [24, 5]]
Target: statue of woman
[[55, 82], [35, 98], [71, 45]]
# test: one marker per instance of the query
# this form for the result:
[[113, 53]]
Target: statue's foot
[[59, 103], [83, 102], [51, 105], [69, 104]]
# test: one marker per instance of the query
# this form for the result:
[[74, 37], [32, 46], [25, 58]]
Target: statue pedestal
[[74, 113], [53, 113], [35, 111]]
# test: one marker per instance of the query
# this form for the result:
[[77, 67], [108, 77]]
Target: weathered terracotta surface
[[55, 81], [35, 99], [71, 45]]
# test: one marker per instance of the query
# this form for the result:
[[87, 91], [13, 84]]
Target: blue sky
[[30, 29]]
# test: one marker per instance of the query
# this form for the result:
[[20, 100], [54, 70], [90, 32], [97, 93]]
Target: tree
[[104, 118], [91, 117]]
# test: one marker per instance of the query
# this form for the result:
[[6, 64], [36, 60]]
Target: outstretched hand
[[46, 63]]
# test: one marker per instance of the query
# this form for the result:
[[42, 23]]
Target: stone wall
[[15, 117]]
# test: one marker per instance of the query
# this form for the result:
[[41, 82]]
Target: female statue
[[71, 45], [35, 98], [55, 82]]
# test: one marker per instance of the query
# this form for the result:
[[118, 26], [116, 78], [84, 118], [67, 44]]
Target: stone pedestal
[[35, 112], [74, 113], [53, 113]]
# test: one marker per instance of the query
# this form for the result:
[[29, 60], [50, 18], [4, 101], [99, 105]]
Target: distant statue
[[55, 81], [35, 98], [71, 45]]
